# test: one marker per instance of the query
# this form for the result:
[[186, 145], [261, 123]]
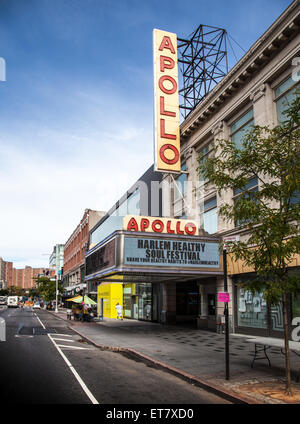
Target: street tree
[[270, 214], [15, 291], [46, 288]]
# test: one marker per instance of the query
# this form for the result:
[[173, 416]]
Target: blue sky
[[76, 109]]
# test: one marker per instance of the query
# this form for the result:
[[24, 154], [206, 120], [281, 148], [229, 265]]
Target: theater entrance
[[187, 302]]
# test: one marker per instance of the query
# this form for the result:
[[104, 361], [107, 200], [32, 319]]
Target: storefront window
[[277, 317], [211, 299], [251, 309], [144, 292], [295, 306], [127, 302]]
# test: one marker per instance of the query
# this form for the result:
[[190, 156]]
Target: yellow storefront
[[108, 295]]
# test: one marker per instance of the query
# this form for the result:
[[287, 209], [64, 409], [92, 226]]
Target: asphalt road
[[44, 362]]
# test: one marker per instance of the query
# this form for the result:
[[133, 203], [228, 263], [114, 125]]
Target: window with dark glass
[[210, 215], [239, 127], [285, 93], [204, 153], [245, 193], [179, 194]]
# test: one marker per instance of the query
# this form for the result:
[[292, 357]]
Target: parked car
[[3, 300]]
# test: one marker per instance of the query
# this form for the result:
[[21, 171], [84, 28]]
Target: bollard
[[2, 330]]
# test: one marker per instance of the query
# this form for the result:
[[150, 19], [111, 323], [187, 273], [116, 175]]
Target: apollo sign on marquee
[[151, 224], [166, 102]]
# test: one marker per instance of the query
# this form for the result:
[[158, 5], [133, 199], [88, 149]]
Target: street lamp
[[56, 283], [56, 292]]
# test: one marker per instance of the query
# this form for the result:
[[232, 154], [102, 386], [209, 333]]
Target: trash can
[[2, 330]]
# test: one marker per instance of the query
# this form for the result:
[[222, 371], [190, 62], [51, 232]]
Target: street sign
[[223, 297], [231, 239]]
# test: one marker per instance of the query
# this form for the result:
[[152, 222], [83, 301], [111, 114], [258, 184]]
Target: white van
[[12, 301], [3, 300]]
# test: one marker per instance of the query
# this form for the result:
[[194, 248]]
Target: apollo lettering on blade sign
[[189, 254], [166, 102], [151, 224]]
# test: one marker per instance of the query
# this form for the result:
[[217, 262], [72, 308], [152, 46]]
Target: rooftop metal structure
[[203, 63]]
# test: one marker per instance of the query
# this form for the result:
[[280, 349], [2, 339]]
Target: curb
[[136, 355]]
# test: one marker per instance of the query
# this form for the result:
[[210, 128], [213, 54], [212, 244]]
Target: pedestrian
[[119, 311]]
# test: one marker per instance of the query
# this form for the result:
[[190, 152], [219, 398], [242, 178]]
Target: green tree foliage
[[15, 291], [271, 214], [46, 288]]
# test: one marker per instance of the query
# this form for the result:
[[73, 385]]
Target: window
[[251, 309], [210, 216], [295, 305], [237, 130], [284, 95], [296, 198], [179, 187], [179, 194], [245, 193], [204, 153], [115, 221], [251, 186]]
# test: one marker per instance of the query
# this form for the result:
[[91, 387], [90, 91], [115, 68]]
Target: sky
[[76, 106]]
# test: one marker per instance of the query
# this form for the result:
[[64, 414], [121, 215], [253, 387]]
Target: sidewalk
[[195, 355]]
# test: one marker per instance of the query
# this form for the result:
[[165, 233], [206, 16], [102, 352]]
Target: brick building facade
[[74, 250]]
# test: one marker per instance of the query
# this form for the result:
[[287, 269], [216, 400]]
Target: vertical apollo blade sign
[[166, 102]]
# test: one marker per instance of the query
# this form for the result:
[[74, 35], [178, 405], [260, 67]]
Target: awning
[[88, 301], [76, 299], [79, 299]]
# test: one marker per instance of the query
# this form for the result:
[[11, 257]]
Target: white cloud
[[50, 175]]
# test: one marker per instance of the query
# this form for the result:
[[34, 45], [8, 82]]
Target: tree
[[46, 288], [15, 291], [270, 214]]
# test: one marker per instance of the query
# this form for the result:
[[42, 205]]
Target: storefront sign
[[223, 297], [151, 224], [163, 252], [166, 102]]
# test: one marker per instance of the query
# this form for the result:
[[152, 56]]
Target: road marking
[[58, 334], [23, 335], [40, 322], [77, 376], [74, 347], [64, 340]]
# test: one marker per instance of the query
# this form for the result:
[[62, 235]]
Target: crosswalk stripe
[[73, 347]]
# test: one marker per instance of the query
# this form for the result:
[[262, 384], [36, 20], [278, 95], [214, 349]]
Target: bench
[[262, 344]]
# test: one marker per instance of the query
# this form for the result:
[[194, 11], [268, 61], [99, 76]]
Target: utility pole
[[226, 314], [56, 292]]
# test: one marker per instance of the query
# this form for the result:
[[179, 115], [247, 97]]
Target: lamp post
[[56, 292], [226, 315], [56, 282]]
